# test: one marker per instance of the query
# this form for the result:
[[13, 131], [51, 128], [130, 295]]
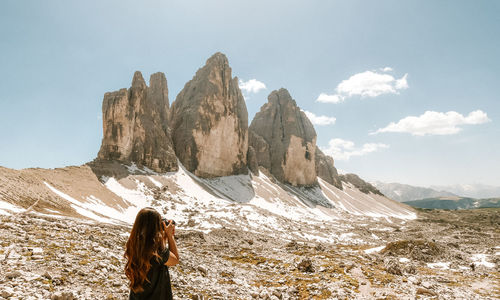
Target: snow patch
[[480, 259], [439, 265], [6, 208], [83, 209], [376, 249]]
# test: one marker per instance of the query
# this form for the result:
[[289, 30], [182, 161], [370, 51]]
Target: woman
[[148, 257]]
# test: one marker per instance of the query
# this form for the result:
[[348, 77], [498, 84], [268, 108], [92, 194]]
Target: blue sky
[[58, 58]]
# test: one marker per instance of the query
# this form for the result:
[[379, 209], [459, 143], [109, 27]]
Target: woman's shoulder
[[161, 258]]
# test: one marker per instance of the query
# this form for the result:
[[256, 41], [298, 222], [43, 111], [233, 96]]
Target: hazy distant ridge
[[472, 190], [454, 203], [404, 192]]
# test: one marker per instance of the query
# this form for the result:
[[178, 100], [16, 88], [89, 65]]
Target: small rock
[[37, 251], [293, 245], [410, 269], [414, 280], [47, 275], [6, 292], [63, 296], [264, 294], [392, 267], [306, 266], [319, 247], [203, 270], [427, 284], [13, 274], [422, 291], [13, 255], [277, 293]]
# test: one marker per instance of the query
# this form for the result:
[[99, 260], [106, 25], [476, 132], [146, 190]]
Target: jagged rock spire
[[284, 140], [209, 122], [135, 125]]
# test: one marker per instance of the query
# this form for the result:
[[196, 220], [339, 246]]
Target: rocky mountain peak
[[284, 140], [138, 81], [360, 184], [135, 125], [217, 59], [281, 97], [158, 87], [209, 122]]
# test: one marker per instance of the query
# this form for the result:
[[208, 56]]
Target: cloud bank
[[320, 120], [368, 84], [341, 149], [251, 86], [435, 123]]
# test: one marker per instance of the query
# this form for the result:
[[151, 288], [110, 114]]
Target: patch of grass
[[226, 274], [377, 276], [247, 257], [226, 281]]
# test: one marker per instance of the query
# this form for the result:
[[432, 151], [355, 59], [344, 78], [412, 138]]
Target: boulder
[[209, 122], [284, 140], [326, 169], [135, 125]]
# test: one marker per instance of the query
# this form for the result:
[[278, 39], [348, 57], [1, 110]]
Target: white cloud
[[341, 149], [320, 120], [251, 86], [366, 84], [386, 69], [436, 123], [329, 98]]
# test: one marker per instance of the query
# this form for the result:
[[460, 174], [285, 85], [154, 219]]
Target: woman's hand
[[170, 229]]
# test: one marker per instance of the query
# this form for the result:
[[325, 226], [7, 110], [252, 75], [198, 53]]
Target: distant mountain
[[454, 203], [404, 192], [471, 190]]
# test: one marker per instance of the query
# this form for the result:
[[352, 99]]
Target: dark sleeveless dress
[[158, 287]]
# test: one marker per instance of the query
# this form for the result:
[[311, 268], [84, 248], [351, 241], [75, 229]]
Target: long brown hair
[[147, 240]]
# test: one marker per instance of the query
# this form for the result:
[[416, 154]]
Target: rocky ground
[[442, 254]]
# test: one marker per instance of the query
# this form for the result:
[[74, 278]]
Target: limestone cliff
[[284, 140], [209, 122], [326, 170], [135, 125]]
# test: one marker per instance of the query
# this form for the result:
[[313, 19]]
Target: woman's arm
[[173, 258]]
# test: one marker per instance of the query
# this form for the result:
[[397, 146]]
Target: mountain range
[[201, 162], [454, 203], [405, 192], [475, 190]]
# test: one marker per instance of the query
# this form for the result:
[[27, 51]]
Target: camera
[[167, 222]]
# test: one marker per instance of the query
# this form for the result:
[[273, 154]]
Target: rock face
[[284, 140], [360, 184], [326, 169], [209, 122], [135, 125], [252, 163]]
